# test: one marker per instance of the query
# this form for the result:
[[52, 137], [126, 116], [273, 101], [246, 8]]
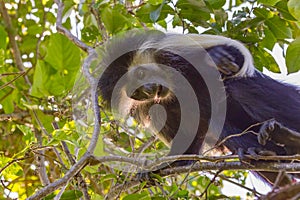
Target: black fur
[[258, 99], [250, 100]]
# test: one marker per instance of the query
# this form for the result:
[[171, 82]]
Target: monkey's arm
[[276, 132]]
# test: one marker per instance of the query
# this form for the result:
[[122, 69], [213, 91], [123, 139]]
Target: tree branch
[[80, 180], [99, 21], [220, 163], [77, 167], [207, 166], [12, 41], [11, 35], [61, 29], [287, 192]]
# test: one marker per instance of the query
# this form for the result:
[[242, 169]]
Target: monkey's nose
[[148, 91], [162, 91]]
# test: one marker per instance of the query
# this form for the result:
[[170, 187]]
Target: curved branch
[[61, 29]]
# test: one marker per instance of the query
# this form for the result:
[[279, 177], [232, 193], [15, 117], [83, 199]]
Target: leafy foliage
[[38, 68]]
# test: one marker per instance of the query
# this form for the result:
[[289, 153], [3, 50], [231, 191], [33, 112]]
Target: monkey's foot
[[276, 132], [267, 131], [254, 152], [241, 153]]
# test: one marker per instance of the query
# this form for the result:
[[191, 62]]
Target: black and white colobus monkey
[[251, 97]]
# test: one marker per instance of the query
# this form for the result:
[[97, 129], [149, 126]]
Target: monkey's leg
[[276, 132]]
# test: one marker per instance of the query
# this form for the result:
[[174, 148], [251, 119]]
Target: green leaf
[[144, 195], [183, 194], [192, 29], [8, 104], [268, 2], [292, 56], [28, 134], [216, 4], [99, 150], [176, 21], [221, 17], [62, 54], [108, 177], [194, 11], [263, 58], [41, 79], [282, 7], [163, 23], [49, 197], [262, 12], [35, 29], [113, 19], [294, 8], [154, 15], [71, 195], [3, 36], [144, 13], [156, 2], [57, 74], [28, 43], [2, 57], [279, 27], [269, 40]]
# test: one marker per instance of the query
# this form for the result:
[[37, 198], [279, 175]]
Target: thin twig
[[225, 178], [97, 16], [13, 116], [22, 74], [209, 184], [80, 180], [246, 131], [40, 159], [64, 180]]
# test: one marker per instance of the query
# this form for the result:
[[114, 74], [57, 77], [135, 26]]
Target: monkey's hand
[[223, 57], [281, 135]]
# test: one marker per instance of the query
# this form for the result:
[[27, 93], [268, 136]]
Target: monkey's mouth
[[150, 91]]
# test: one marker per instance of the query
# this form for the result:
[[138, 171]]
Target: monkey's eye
[[140, 74]]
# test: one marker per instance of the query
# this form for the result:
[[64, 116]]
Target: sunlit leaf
[[279, 28], [292, 56], [268, 2], [141, 196], [294, 8], [216, 4], [3, 36]]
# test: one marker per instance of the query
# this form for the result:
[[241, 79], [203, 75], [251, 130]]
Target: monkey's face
[[147, 82]]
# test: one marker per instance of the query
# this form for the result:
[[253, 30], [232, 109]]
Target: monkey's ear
[[228, 59]]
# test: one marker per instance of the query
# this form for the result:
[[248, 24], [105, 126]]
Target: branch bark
[[288, 192], [12, 41], [61, 29]]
